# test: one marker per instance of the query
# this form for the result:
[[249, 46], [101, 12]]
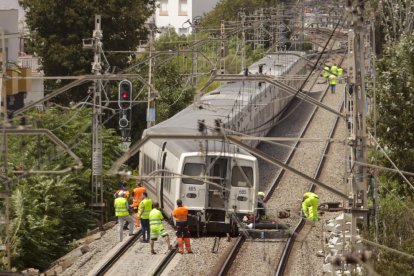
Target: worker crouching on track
[[180, 213], [157, 227], [121, 211], [310, 202]]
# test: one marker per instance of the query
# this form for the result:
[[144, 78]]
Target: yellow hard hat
[[261, 194]]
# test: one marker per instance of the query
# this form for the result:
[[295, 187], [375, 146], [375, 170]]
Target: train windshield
[[193, 169], [242, 176]]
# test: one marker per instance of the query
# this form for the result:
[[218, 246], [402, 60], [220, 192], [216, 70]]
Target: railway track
[[291, 240], [104, 267], [280, 264], [117, 262]]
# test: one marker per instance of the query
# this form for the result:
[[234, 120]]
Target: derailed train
[[225, 178]]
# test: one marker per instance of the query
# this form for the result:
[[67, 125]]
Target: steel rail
[[231, 256], [167, 259], [113, 260], [281, 172], [291, 240]]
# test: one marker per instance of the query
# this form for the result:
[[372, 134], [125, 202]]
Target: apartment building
[[180, 14]]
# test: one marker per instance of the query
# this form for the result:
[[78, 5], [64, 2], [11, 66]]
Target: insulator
[[217, 124], [201, 125]]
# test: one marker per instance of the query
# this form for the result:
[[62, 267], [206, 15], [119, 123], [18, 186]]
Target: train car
[[216, 180]]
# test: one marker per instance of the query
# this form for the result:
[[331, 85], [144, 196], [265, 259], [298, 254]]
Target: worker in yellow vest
[[144, 210], [157, 227], [334, 70], [326, 72], [122, 213], [310, 203], [340, 73], [332, 82]]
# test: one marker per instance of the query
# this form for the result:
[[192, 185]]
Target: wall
[[9, 22]]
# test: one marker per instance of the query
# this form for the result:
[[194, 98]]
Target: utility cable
[[392, 163]]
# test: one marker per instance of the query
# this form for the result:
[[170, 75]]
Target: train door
[[162, 156], [242, 192], [193, 190], [217, 194]]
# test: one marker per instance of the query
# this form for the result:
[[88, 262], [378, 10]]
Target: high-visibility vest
[[310, 194], [155, 218], [310, 206], [121, 207], [138, 196], [180, 213], [334, 70], [326, 72], [332, 80], [340, 71], [145, 208]]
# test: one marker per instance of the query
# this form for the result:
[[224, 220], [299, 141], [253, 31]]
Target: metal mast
[[97, 177], [151, 101], [356, 118], [5, 189]]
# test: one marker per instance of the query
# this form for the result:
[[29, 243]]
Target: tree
[[395, 103], [396, 17], [57, 28], [49, 211], [229, 10]]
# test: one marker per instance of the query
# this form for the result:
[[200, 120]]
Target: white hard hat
[[121, 193]]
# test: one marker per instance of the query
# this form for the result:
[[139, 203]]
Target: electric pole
[[97, 175], [356, 119], [5, 190], [151, 102]]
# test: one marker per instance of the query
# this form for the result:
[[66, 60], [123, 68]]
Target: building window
[[182, 7], [183, 31], [163, 7]]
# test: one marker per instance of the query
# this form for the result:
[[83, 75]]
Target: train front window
[[242, 177], [193, 169]]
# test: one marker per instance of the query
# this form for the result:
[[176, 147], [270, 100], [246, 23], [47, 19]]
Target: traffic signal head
[[125, 94]]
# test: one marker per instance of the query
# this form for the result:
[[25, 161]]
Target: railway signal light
[[125, 94]]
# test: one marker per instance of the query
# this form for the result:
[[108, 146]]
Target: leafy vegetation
[[229, 10], [49, 211], [395, 131], [57, 37]]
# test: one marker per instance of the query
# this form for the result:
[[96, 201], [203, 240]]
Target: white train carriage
[[225, 177], [225, 180]]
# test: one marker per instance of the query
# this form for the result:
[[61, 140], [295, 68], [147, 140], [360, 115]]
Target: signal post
[[125, 104]]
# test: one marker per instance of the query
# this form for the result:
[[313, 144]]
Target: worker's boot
[[188, 245], [180, 245]]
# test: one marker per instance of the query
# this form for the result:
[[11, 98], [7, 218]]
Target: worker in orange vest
[[180, 213], [137, 197]]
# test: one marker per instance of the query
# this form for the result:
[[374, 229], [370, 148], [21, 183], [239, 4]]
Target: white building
[[179, 14], [12, 21]]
